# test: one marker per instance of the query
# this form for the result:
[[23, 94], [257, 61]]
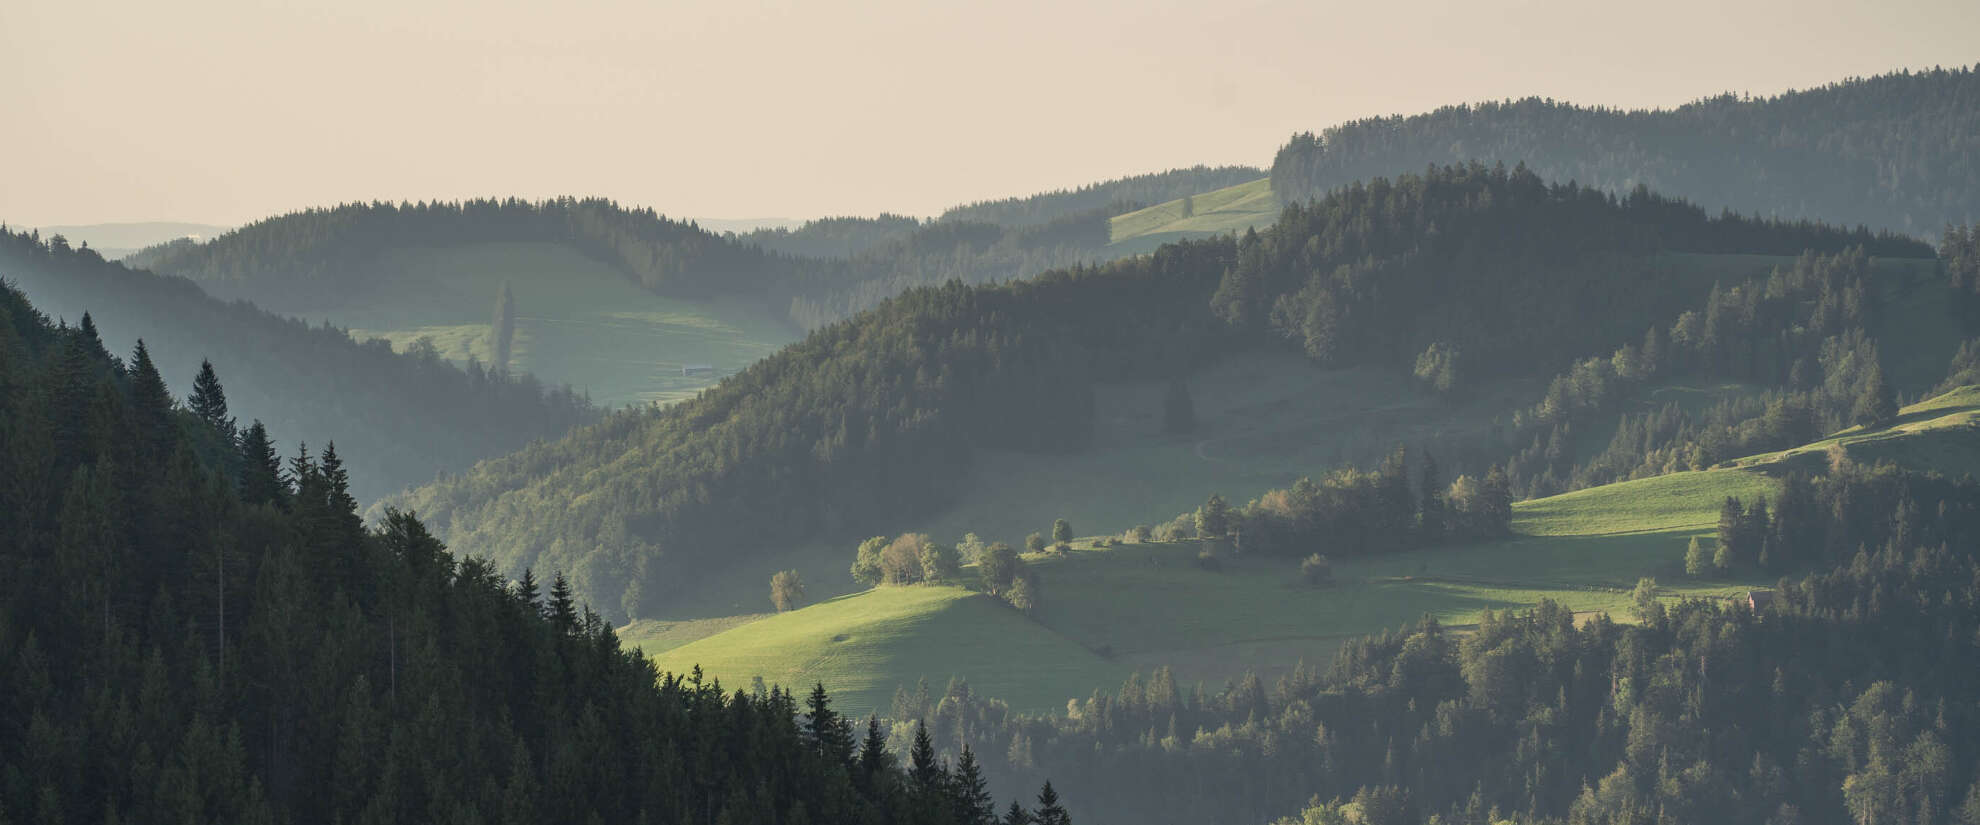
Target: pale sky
[[222, 111]]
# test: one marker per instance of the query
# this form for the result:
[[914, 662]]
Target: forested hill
[[316, 256], [400, 419], [874, 419], [1117, 196], [320, 260], [195, 632], [1896, 151]]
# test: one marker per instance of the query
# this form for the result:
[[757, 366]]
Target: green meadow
[[579, 322]]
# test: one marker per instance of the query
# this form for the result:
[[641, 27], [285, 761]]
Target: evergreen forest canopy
[[201, 632], [403, 419], [875, 418], [1891, 151]]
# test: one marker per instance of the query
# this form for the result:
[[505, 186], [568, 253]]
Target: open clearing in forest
[[578, 321]]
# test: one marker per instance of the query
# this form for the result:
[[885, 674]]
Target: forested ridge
[[402, 419], [1115, 196], [827, 270], [1847, 699], [874, 418], [1891, 151], [199, 631]]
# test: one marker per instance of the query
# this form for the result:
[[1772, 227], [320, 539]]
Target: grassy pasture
[[578, 321], [1231, 209]]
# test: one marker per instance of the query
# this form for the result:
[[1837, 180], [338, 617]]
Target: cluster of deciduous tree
[[403, 419], [1114, 197], [1381, 272], [1888, 151], [1848, 699], [1802, 331], [196, 631], [1354, 512]]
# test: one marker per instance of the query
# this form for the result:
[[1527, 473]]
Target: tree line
[[403, 419], [199, 630], [1889, 151]]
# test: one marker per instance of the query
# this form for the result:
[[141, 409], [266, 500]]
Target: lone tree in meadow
[[1062, 533], [1316, 571], [1696, 560], [502, 330], [787, 590], [1034, 543], [1189, 206], [1178, 409]]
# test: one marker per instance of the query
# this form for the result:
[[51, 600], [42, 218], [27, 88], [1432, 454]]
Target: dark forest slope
[[400, 419], [1896, 151], [195, 632]]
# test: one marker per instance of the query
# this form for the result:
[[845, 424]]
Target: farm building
[[1759, 599]]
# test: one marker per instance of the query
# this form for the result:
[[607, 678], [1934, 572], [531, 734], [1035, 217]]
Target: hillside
[[863, 412], [1248, 205], [115, 240], [1112, 196], [1108, 611], [197, 627], [400, 420], [1892, 151], [578, 321]]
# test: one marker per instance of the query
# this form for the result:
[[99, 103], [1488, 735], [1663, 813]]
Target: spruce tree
[[208, 400], [528, 592], [1213, 519], [150, 403], [261, 469], [874, 760], [561, 609], [826, 729], [1017, 815], [923, 768], [1049, 811], [973, 803], [1876, 402]]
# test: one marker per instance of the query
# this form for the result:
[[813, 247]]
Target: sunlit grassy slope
[[1231, 209], [579, 322], [1108, 611], [863, 646]]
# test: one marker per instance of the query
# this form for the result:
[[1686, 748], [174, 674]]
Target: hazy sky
[[226, 110]]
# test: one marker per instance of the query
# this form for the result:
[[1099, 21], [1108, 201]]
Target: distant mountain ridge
[[1896, 151]]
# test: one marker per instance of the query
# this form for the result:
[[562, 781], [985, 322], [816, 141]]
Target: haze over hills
[[1887, 151], [1226, 414], [399, 419], [867, 411], [115, 240]]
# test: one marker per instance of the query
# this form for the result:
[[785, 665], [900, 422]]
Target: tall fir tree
[[973, 802], [209, 400], [1049, 810]]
